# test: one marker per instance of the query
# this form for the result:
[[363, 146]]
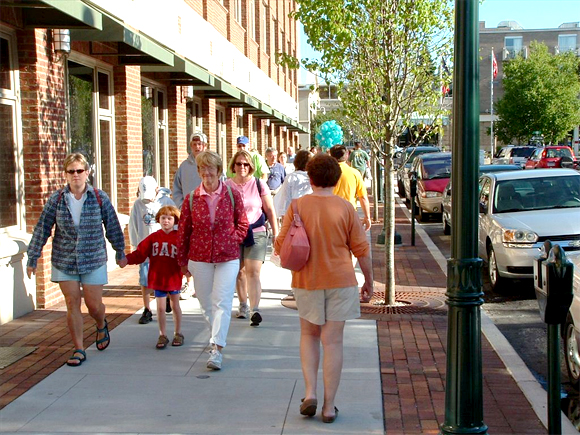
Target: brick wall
[[44, 139], [178, 146], [216, 14], [127, 83], [209, 123]]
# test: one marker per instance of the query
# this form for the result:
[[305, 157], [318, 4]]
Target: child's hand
[[123, 262]]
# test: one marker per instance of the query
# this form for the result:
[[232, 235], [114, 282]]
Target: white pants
[[215, 284]]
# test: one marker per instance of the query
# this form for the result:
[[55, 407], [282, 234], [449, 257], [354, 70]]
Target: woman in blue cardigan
[[79, 256]]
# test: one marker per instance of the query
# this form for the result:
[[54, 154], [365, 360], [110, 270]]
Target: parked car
[[446, 201], [551, 157], [518, 211], [571, 330], [433, 173], [406, 160], [513, 155]]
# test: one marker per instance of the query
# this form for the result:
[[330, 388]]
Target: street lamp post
[[464, 391]]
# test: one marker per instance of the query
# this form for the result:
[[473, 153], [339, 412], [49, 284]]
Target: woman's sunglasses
[[245, 165], [73, 171]]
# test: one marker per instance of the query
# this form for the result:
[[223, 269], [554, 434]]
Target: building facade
[[134, 82], [506, 41]]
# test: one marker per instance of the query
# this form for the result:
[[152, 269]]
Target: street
[[515, 312]]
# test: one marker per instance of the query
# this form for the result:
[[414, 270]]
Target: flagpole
[[491, 106], [441, 99]]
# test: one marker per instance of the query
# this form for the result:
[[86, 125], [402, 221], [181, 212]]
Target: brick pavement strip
[[412, 349]]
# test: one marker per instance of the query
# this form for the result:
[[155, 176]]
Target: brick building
[[140, 77], [506, 41]]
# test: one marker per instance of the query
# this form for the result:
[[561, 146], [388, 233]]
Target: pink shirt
[[211, 198], [252, 199]]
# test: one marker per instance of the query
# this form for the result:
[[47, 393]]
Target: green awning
[[183, 72], [133, 48], [57, 14]]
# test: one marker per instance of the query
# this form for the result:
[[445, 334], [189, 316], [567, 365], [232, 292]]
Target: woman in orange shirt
[[326, 289]]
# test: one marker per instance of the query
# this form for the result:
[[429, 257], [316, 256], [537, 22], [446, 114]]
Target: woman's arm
[[184, 233], [241, 223], [42, 232], [113, 230], [268, 206]]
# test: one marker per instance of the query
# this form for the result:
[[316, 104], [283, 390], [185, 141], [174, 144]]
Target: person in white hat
[[142, 223]]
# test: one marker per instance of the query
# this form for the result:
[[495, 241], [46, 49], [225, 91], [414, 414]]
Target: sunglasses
[[73, 171], [245, 165]]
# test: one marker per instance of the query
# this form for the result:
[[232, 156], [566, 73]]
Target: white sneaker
[[184, 293], [215, 360], [243, 311]]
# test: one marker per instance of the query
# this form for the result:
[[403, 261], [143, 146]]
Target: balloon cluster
[[329, 134]]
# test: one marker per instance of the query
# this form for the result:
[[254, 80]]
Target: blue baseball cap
[[243, 140]]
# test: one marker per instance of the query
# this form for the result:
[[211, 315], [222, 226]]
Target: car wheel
[[571, 353], [496, 281], [446, 227], [422, 214]]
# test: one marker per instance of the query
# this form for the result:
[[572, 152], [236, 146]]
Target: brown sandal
[[308, 407], [178, 339], [162, 342], [330, 418]]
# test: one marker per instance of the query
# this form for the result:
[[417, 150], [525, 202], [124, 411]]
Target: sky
[[530, 14]]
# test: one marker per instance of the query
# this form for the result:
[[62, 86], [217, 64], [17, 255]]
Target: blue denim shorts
[[164, 293], [96, 277], [143, 273]]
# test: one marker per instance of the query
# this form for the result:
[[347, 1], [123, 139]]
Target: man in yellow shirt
[[351, 184]]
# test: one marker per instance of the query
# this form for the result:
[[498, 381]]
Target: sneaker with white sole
[[215, 360], [256, 318], [243, 311]]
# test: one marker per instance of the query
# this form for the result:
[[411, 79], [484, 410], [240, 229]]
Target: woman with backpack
[[79, 253], [212, 225]]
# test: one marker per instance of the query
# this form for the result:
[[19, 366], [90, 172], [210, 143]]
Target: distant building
[[507, 40]]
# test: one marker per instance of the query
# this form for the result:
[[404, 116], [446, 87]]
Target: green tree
[[541, 94], [384, 56]]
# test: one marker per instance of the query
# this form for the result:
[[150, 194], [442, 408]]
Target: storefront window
[[154, 134], [91, 128], [8, 174]]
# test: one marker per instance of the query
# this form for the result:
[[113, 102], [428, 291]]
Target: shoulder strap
[[259, 186], [231, 196], [191, 199], [59, 195], [295, 209], [99, 200]]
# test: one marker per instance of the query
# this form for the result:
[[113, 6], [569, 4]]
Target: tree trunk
[[389, 225], [374, 185]]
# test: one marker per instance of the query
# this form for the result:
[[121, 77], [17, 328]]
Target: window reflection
[[8, 193]]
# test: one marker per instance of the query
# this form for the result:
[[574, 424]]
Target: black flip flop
[[106, 338], [77, 358]]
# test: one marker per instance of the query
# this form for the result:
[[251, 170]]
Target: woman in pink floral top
[[213, 224]]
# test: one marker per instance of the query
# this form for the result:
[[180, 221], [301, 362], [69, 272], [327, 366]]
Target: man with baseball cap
[[262, 170], [186, 180]]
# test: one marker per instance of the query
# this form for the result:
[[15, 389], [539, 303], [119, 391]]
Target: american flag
[[445, 71], [494, 65]]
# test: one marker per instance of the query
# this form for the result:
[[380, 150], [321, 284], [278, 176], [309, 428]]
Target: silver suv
[[513, 155]]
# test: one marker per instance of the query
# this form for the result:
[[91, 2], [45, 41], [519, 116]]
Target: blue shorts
[[164, 293], [96, 277], [143, 273]]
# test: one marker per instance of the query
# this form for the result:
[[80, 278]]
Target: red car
[[551, 157]]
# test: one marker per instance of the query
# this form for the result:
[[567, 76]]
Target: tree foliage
[[541, 94], [384, 56]]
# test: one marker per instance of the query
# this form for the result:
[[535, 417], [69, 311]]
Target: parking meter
[[553, 275], [413, 184], [553, 284], [413, 193]]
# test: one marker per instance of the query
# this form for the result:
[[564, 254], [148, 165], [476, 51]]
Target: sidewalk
[[131, 387]]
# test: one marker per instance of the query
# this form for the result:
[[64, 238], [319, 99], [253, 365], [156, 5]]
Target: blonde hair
[[209, 158], [168, 210], [75, 158], [247, 156]]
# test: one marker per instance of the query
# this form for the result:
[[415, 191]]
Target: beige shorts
[[337, 304]]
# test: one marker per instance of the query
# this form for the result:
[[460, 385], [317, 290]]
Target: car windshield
[[436, 169], [522, 152], [537, 194]]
